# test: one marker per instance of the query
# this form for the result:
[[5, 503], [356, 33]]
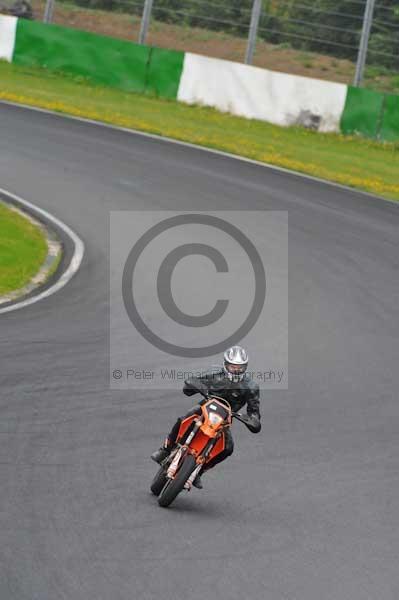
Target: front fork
[[205, 454], [171, 472]]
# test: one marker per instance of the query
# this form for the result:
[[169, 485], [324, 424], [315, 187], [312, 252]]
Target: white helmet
[[235, 363]]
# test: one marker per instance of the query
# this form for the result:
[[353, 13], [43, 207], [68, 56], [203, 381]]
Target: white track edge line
[[73, 266], [161, 138]]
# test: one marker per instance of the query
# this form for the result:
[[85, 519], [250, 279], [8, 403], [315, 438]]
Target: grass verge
[[23, 249], [352, 161]]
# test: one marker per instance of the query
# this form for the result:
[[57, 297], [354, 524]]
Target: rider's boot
[[198, 481], [159, 455]]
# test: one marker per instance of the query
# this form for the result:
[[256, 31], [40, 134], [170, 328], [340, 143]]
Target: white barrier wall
[[8, 26], [255, 93], [242, 90]]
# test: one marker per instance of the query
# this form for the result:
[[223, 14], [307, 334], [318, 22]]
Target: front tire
[[174, 486], [158, 483]]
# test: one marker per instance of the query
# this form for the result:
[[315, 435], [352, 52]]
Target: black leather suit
[[238, 394]]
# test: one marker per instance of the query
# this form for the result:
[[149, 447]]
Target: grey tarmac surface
[[308, 509]]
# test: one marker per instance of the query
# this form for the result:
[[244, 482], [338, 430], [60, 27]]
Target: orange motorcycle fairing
[[184, 425], [209, 429], [200, 441]]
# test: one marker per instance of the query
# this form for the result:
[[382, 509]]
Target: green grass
[[23, 250], [356, 162]]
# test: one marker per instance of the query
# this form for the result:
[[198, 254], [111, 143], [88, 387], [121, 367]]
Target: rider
[[231, 383]]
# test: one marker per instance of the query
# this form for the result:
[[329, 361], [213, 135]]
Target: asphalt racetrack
[[308, 509]]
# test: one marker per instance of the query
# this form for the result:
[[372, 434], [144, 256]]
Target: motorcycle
[[200, 438]]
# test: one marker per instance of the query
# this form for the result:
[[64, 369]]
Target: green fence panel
[[362, 112], [102, 59], [165, 68], [390, 120]]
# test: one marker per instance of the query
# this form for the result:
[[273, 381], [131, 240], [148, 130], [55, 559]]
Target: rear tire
[[158, 483], [174, 486]]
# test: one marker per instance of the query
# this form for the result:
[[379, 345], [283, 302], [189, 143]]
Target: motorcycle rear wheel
[[158, 483], [174, 486]]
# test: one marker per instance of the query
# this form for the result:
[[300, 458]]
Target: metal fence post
[[145, 21], [48, 11], [253, 31], [364, 42]]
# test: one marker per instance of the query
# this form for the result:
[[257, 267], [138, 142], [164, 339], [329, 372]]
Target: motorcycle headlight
[[215, 419]]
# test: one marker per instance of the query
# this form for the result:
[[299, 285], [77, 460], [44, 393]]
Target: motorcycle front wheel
[[174, 486], [158, 483]]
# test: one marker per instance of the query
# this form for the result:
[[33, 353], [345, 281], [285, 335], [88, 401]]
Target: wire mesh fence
[[301, 36]]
